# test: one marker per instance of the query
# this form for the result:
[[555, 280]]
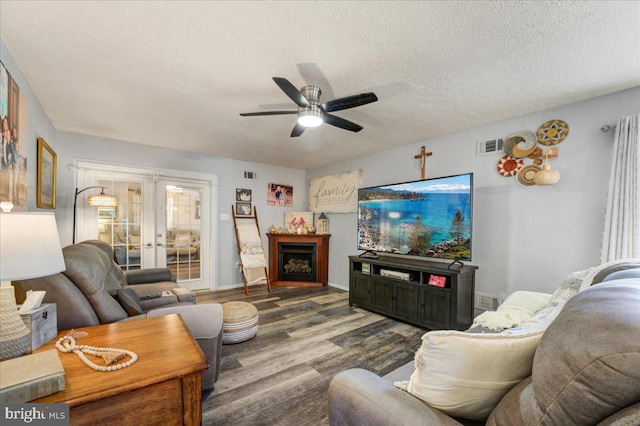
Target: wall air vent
[[250, 175], [486, 302], [490, 147]]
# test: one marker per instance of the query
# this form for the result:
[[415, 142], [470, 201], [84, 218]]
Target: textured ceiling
[[177, 74]]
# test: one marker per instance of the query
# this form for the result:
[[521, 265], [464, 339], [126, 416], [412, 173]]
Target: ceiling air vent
[[490, 147]]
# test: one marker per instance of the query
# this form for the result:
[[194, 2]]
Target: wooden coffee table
[[162, 387]]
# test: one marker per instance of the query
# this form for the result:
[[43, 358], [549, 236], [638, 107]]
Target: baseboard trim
[[232, 286], [341, 287]]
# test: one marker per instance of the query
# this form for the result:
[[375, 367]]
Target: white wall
[[230, 175], [523, 237]]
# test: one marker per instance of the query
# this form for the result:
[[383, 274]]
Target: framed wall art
[[243, 195], [107, 214], [15, 147], [46, 186], [297, 220], [243, 209], [279, 195]]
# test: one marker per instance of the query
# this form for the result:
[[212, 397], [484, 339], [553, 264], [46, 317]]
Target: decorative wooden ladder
[[238, 242]]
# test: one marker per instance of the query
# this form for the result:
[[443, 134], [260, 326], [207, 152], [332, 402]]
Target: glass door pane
[[183, 232], [159, 222], [186, 237], [122, 227]]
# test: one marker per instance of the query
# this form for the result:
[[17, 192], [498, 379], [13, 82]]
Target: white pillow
[[569, 287], [467, 374], [529, 300], [516, 308], [574, 283]]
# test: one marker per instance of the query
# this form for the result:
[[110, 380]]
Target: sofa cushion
[[73, 310], [585, 370], [129, 301], [184, 294], [569, 287], [588, 364], [150, 295], [88, 268], [466, 374], [624, 268], [117, 278], [169, 299]]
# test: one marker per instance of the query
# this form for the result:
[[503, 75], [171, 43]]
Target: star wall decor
[[552, 132]]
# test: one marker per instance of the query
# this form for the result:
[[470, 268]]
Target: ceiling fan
[[311, 113]]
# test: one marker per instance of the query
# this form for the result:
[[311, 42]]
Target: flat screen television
[[428, 218]]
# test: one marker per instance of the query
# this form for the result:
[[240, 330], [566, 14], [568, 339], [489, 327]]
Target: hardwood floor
[[305, 337]]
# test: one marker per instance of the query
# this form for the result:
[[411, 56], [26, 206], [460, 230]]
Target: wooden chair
[[252, 260]]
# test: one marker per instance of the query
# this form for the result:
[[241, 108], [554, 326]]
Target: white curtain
[[621, 238]]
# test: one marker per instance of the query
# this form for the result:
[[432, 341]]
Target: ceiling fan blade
[[291, 91], [298, 129], [349, 102], [341, 122], [252, 114]]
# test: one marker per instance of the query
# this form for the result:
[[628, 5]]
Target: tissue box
[[43, 324]]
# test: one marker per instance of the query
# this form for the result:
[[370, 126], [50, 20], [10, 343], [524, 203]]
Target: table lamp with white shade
[[29, 248]]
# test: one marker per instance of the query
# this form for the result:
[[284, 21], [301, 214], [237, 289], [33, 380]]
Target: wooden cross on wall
[[423, 160]]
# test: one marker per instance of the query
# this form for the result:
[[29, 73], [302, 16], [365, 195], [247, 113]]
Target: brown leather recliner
[[86, 294]]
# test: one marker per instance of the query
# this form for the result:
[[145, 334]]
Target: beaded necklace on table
[[67, 344]]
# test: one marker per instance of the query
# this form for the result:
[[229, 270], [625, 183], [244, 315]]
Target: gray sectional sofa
[[585, 371]]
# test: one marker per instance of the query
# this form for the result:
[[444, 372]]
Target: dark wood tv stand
[[399, 287]]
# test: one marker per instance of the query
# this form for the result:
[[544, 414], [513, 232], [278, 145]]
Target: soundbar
[[395, 274]]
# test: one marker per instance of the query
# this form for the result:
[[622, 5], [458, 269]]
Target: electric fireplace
[[299, 259]]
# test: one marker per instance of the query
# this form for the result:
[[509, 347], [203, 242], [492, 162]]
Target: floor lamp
[[29, 248], [96, 200]]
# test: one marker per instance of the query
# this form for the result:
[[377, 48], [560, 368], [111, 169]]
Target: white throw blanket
[[517, 308], [251, 253]]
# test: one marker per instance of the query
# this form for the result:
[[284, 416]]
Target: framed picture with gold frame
[[47, 162]]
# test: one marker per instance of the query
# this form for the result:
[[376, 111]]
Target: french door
[[160, 221]]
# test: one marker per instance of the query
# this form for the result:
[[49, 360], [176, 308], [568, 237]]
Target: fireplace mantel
[[321, 241]]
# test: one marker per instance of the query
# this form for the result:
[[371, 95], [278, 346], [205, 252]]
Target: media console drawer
[[421, 292]]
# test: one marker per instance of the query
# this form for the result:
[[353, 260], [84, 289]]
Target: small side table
[[162, 387]]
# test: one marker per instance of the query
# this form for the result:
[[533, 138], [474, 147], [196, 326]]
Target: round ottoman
[[240, 322]]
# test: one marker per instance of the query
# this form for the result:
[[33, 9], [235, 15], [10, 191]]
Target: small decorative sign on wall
[[335, 193]]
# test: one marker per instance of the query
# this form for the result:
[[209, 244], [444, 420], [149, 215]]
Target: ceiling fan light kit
[[311, 113], [310, 116]]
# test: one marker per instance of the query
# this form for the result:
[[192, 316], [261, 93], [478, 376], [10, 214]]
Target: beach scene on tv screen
[[430, 218]]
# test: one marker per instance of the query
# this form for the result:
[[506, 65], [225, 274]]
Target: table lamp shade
[[29, 248]]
